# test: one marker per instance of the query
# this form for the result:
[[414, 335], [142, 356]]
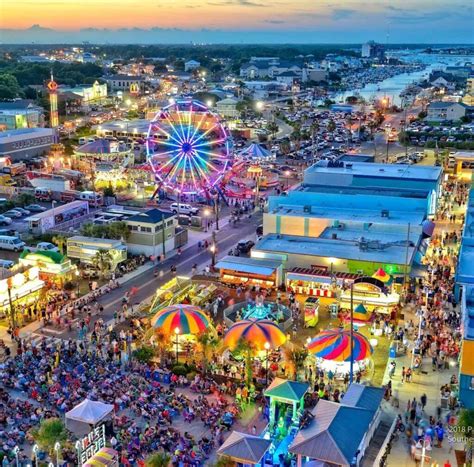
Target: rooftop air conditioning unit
[[334, 236], [385, 213], [307, 209], [363, 245], [349, 166]]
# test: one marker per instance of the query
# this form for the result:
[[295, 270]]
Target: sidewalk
[[429, 384]]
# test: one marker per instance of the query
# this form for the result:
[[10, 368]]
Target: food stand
[[106, 457], [317, 282]]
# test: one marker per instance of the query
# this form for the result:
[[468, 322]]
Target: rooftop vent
[[349, 166], [385, 213], [334, 236], [381, 170]]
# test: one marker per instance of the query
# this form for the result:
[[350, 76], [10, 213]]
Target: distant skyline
[[236, 21]]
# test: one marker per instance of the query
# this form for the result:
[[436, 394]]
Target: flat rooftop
[[362, 190], [391, 235], [95, 241], [24, 133], [371, 169], [465, 269], [390, 252], [351, 214]]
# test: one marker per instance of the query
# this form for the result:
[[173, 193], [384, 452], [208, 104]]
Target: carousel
[[332, 352]]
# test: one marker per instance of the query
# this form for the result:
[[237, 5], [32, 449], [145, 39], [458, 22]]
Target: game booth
[[332, 352], [317, 282], [286, 399], [374, 293]]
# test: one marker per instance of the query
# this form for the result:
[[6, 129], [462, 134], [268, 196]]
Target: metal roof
[[364, 397], [244, 448], [152, 216], [291, 390]]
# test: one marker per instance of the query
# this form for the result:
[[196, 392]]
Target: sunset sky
[[402, 20]]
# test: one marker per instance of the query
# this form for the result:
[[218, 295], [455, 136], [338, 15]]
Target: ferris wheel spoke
[[209, 143], [198, 126], [214, 155], [175, 167], [203, 135], [171, 161], [206, 162], [178, 138]]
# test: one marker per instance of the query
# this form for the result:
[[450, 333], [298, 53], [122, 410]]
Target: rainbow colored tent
[[361, 313], [256, 333], [334, 345], [382, 276], [188, 319]]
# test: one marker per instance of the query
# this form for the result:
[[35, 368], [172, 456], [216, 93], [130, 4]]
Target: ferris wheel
[[189, 149]]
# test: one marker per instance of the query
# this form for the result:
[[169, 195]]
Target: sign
[[91, 444]]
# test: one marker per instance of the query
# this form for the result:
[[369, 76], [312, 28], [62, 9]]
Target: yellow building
[[468, 99]]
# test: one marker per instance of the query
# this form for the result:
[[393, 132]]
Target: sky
[[237, 21]]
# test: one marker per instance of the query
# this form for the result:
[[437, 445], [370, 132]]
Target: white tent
[[90, 412]]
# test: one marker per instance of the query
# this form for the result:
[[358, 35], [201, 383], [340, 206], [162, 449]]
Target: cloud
[[238, 2], [342, 13], [409, 17], [274, 21]]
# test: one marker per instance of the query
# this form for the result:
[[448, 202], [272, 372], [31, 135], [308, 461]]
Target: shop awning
[[248, 265], [320, 273]]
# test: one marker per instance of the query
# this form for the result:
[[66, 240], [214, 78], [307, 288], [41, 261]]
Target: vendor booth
[[317, 282], [87, 414], [106, 457], [371, 292], [236, 270]]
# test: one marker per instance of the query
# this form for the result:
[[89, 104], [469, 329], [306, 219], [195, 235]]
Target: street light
[[209, 103], [287, 175], [259, 105], [207, 213], [35, 452], [78, 284], [267, 348], [176, 332], [57, 448], [212, 249]]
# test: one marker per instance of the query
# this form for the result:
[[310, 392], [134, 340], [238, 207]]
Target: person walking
[[423, 400]]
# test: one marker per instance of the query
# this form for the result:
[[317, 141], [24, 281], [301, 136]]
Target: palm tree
[[246, 349], [118, 230], [295, 359], [103, 262], [331, 126], [60, 241], [158, 459], [464, 428], [205, 341], [88, 229]]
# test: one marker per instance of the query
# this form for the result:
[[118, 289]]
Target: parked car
[[4, 220], [6, 264], [25, 212], [245, 247], [35, 208], [43, 246], [11, 243], [13, 214]]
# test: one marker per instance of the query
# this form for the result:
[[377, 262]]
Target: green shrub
[[180, 370], [144, 354]]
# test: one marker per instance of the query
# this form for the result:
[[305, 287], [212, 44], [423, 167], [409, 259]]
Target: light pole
[[206, 213], [176, 332], [216, 210], [267, 348], [35, 452], [287, 176], [16, 450], [57, 448], [78, 283], [213, 248], [351, 377]]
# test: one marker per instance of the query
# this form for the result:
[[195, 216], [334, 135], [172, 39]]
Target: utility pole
[[163, 239]]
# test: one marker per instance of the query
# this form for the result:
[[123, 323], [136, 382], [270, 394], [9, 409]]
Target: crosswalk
[[36, 339]]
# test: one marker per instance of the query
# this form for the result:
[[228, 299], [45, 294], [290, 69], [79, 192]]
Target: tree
[[295, 359], [103, 262], [24, 198], [118, 230], [423, 114], [158, 459], [49, 432], [205, 341], [331, 125], [224, 461], [9, 87], [273, 128], [246, 349], [285, 147], [60, 241]]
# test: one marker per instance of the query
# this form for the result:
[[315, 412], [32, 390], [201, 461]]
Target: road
[[147, 284]]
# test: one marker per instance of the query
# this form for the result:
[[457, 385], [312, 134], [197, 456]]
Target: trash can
[[392, 353], [166, 378], [156, 375]]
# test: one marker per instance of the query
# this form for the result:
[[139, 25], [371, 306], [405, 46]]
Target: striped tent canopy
[[189, 319], [256, 151], [361, 313], [256, 333], [334, 345]]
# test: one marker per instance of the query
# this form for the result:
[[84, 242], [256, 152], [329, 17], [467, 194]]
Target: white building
[[191, 65]]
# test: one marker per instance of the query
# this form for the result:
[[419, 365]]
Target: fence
[[378, 460]]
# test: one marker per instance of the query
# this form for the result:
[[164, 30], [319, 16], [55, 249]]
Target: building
[[129, 129], [287, 78], [191, 65], [153, 233], [20, 114], [125, 83], [87, 94], [445, 111], [227, 108], [464, 290], [260, 67], [373, 50], [314, 74], [26, 143], [468, 98], [85, 249]]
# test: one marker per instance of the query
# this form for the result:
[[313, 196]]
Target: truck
[[14, 169], [48, 181], [66, 196]]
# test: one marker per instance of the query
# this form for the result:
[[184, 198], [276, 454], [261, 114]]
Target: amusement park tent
[[256, 151], [336, 435], [244, 448], [89, 412]]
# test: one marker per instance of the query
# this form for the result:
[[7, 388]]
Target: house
[[22, 113], [152, 233], [191, 65], [468, 98], [451, 111], [227, 108], [125, 82], [269, 68]]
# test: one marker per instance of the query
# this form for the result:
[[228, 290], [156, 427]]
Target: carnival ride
[[189, 150]]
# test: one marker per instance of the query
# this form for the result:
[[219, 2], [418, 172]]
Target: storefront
[[250, 272], [52, 266], [317, 282], [19, 290], [373, 294]]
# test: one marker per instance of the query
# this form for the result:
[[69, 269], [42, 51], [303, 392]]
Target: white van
[[11, 243]]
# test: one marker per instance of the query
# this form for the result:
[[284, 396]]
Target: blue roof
[[152, 216], [364, 397], [291, 390]]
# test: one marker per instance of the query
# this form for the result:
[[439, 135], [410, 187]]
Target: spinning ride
[[188, 149]]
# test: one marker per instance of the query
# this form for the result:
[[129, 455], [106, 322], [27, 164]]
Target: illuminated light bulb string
[[188, 149]]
